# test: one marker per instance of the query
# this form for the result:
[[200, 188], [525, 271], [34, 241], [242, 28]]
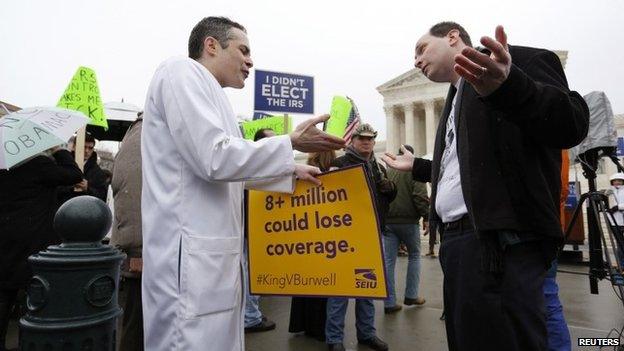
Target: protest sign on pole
[[319, 241], [280, 124], [283, 92], [339, 116], [82, 94]]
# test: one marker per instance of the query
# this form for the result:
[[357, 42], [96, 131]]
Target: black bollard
[[72, 296]]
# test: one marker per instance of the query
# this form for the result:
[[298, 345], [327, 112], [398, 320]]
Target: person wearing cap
[[360, 152], [617, 190], [617, 194]]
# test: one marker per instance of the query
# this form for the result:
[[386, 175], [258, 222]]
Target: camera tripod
[[601, 264]]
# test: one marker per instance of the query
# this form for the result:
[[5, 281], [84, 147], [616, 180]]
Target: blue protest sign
[[620, 146], [283, 92], [573, 195]]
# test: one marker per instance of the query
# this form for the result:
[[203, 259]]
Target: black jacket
[[97, 186], [27, 208], [509, 146], [384, 190]]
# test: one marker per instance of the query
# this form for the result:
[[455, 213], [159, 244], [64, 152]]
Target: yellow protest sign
[[319, 241], [82, 94]]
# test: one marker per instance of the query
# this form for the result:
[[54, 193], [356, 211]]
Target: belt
[[460, 224]]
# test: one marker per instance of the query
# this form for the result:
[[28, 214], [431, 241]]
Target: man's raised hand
[[403, 162], [486, 73], [308, 138]]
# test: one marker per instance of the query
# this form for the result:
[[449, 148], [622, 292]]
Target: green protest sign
[[339, 116], [280, 125], [82, 94]]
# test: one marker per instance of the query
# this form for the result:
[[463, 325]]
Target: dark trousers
[[131, 330], [487, 311]]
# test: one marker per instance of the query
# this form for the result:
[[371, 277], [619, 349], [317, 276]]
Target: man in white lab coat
[[194, 165]]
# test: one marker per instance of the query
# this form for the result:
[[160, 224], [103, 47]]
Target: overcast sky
[[350, 47]]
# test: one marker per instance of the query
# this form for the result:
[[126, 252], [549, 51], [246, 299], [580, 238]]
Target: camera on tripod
[[605, 248]]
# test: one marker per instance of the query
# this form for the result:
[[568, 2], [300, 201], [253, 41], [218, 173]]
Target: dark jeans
[[493, 311], [131, 330]]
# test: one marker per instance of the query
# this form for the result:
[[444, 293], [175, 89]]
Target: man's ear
[[453, 36], [211, 46]]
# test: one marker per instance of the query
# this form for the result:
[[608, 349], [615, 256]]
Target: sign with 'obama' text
[[319, 241], [283, 92]]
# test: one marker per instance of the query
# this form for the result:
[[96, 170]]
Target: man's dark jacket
[[509, 146], [97, 185], [384, 190], [27, 208]]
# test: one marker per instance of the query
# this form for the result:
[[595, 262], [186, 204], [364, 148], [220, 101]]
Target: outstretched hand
[[308, 138], [403, 162], [486, 73]]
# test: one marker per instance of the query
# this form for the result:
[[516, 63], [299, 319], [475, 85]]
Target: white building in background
[[413, 105]]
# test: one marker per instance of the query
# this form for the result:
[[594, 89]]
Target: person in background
[[433, 240], [126, 185], [108, 176], [557, 328], [616, 193], [410, 205], [27, 207], [255, 321], [361, 152], [309, 314], [94, 179]]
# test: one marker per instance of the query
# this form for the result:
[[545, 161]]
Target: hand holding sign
[[308, 138], [308, 173]]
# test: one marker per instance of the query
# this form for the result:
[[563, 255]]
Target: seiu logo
[[365, 278]]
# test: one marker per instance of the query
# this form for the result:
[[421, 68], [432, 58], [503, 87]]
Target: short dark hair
[[260, 133], [216, 27], [89, 138], [441, 29]]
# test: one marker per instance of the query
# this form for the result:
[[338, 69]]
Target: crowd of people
[[31, 194], [178, 187]]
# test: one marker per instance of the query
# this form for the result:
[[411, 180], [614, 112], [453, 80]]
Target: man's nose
[[418, 62], [249, 62]]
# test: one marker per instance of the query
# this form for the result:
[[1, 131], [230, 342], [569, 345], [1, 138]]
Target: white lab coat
[[194, 163], [616, 198]]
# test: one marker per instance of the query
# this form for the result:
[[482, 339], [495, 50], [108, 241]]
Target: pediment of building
[[410, 78]]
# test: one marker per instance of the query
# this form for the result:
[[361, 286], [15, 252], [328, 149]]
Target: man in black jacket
[[94, 181], [495, 179], [360, 152]]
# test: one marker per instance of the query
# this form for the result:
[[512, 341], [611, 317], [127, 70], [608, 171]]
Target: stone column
[[410, 131], [391, 126], [430, 124]]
